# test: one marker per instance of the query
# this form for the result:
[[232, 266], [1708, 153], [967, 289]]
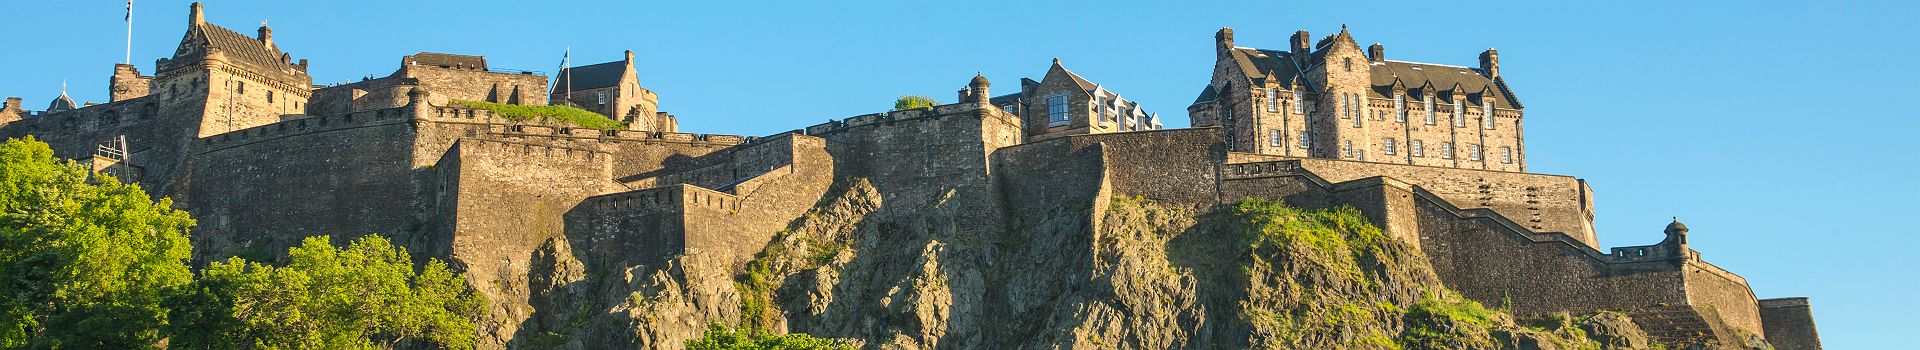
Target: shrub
[[575, 116]]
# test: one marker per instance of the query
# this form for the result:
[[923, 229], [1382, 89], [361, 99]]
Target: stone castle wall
[[1789, 324]]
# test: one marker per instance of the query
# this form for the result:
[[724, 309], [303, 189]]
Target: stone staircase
[[1675, 325]]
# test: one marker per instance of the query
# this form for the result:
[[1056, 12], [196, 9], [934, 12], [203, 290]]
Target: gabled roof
[[240, 47], [1257, 63], [1444, 78], [448, 60], [590, 76]]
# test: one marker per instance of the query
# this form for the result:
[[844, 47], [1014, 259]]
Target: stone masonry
[[233, 130]]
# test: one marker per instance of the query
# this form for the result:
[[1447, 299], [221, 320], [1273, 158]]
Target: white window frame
[[1474, 152], [1390, 146], [1273, 100], [1275, 139], [1305, 139], [1446, 150], [1431, 119], [1506, 155], [1459, 115], [1486, 114], [1299, 102], [601, 96], [1057, 114], [1399, 108], [1419, 149], [1347, 147]]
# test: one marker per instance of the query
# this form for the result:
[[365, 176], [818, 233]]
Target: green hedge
[[575, 116]]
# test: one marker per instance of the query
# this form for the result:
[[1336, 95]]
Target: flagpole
[[129, 32], [566, 68]]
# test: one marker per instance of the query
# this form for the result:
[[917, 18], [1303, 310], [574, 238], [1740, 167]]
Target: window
[[241, 88], [1274, 139], [1486, 114], [1399, 108], [601, 96], [1390, 146], [269, 96], [1418, 149], [1429, 108], [1357, 114], [1506, 154], [1459, 115], [1057, 110], [1346, 106], [1361, 154], [1299, 102], [1446, 150], [1349, 61], [1304, 142], [1347, 147], [1473, 152], [1273, 100]]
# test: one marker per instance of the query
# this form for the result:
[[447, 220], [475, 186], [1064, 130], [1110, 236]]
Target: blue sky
[[1769, 127]]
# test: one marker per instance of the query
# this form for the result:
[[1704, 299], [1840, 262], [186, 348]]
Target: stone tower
[[127, 83], [230, 80]]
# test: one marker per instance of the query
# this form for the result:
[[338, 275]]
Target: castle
[[232, 128]]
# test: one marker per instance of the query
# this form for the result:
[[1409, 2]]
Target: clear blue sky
[[1769, 127]]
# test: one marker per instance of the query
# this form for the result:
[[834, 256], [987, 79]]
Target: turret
[[1490, 63], [1377, 53], [1223, 41], [978, 87]]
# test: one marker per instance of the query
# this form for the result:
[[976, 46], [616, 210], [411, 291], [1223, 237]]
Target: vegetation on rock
[[568, 114], [719, 337]]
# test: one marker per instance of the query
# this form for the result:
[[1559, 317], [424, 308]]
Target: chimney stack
[[266, 35], [1301, 43], [1223, 40], [13, 104], [629, 57], [1490, 63], [1377, 53], [197, 16]]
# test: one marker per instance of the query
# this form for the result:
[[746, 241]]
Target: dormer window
[[1057, 110], [1273, 100], [1459, 114], [1429, 108], [1486, 114], [1399, 108], [1299, 102]]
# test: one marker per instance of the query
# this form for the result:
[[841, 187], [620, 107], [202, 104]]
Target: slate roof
[[448, 60], [1259, 65], [591, 76], [240, 47], [62, 103], [1207, 95]]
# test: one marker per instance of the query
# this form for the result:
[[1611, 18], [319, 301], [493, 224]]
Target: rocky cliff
[[1122, 273]]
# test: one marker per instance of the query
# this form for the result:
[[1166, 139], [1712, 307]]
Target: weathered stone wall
[[257, 191], [1713, 289], [1789, 324], [1540, 202], [1171, 166], [914, 156], [513, 197]]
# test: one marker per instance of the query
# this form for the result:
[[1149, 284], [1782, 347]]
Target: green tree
[[86, 264], [366, 295], [914, 102], [719, 337]]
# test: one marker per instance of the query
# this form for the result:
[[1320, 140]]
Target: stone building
[[541, 215], [1063, 103], [613, 89], [1330, 99]]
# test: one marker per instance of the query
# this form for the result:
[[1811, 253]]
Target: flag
[[129, 17]]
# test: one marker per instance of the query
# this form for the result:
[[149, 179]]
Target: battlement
[[503, 126], [889, 118], [302, 126], [664, 199]]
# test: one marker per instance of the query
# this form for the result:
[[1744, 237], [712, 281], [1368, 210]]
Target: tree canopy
[[87, 262], [914, 102], [719, 337]]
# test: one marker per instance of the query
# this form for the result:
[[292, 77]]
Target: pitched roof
[[240, 47], [1257, 63], [1207, 95], [448, 60], [1443, 77], [590, 76]]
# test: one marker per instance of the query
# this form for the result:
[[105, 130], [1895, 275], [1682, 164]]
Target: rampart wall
[[913, 157], [1539, 202], [1713, 289], [1789, 324], [259, 190]]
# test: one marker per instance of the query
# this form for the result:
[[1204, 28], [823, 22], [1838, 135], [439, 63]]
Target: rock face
[[1135, 274]]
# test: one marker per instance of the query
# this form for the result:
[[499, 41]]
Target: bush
[[914, 102], [575, 116], [719, 337]]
